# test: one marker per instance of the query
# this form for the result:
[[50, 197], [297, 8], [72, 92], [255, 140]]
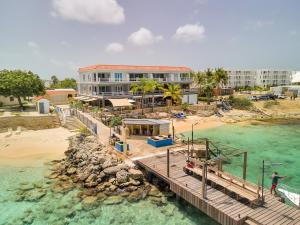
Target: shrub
[[203, 99], [1, 104], [185, 106], [84, 131], [115, 121], [240, 103], [269, 104]]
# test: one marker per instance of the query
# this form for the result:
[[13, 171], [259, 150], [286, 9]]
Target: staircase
[[72, 124]]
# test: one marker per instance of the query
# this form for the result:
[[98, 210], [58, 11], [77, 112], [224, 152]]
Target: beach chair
[[19, 130], [9, 132]]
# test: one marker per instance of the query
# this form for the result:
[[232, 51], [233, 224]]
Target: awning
[[89, 99], [122, 102], [80, 97]]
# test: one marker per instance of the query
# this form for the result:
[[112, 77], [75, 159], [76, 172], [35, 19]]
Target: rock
[[136, 174], [135, 196], [168, 210], [83, 176], [122, 176], [113, 200], [101, 196], [35, 195], [155, 192], [91, 178], [71, 170], [112, 188], [89, 202], [26, 187], [158, 200], [112, 170]]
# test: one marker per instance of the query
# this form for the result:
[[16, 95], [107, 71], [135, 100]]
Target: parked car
[[281, 96], [253, 98], [264, 97]]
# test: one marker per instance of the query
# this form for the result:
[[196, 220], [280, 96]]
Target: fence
[[86, 121]]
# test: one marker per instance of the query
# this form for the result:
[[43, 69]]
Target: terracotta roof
[[138, 68], [38, 97], [60, 91]]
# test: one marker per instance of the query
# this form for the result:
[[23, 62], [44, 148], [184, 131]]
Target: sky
[[57, 37]]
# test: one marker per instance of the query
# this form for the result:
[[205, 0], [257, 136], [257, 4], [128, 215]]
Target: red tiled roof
[[57, 91], [38, 97], [138, 68]]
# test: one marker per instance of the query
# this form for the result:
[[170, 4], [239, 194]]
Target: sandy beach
[[33, 148]]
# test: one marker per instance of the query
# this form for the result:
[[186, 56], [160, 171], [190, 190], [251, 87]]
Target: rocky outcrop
[[100, 173]]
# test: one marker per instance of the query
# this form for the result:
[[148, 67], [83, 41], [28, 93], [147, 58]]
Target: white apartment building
[[261, 77], [114, 81]]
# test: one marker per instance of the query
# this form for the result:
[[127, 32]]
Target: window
[[118, 77], [11, 99]]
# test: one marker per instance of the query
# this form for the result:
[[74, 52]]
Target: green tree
[[221, 77], [152, 86], [19, 84], [68, 83], [140, 87], [115, 121], [174, 93], [54, 80], [199, 80]]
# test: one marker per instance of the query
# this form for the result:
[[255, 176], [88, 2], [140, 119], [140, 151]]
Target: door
[[41, 107]]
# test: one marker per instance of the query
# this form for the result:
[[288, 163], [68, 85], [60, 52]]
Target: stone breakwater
[[100, 175]]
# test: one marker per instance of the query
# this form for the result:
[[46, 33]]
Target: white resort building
[[105, 82], [262, 77]]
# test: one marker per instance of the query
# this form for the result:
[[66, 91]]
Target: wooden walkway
[[218, 205]]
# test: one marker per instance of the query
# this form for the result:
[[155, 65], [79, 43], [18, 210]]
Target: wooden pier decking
[[217, 204]]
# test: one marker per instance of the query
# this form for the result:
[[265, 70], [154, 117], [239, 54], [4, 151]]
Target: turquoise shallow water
[[56, 208], [276, 143]]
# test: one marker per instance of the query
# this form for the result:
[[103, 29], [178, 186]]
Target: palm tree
[[152, 86], [140, 87], [221, 77], [199, 80], [174, 92]]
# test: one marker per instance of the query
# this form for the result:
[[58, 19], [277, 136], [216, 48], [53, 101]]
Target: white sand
[[33, 148]]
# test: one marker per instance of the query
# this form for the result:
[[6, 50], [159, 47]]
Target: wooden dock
[[217, 204]]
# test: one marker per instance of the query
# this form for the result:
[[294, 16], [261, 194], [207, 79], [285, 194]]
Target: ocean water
[[278, 143], [45, 207]]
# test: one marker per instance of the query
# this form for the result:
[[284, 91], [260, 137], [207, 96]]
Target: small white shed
[[43, 106]]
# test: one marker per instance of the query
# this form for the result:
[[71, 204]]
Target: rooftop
[[136, 68], [145, 121]]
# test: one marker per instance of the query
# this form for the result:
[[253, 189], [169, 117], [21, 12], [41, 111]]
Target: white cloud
[[144, 37], [190, 32], [33, 45], [114, 48], [89, 11], [258, 24], [65, 44]]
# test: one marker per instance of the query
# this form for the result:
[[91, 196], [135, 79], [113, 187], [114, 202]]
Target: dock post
[[188, 150], [168, 162], [206, 147], [204, 176], [245, 166]]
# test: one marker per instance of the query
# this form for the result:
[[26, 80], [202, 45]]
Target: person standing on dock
[[275, 178]]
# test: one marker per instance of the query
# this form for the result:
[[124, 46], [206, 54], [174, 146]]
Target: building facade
[[114, 81], [262, 77]]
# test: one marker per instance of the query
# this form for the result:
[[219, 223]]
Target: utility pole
[[245, 166], [168, 162]]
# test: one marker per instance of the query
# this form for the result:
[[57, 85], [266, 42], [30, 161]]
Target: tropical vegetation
[[173, 92], [65, 83], [208, 80], [20, 84]]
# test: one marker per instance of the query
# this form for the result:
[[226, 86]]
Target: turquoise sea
[[45, 207], [276, 142]]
